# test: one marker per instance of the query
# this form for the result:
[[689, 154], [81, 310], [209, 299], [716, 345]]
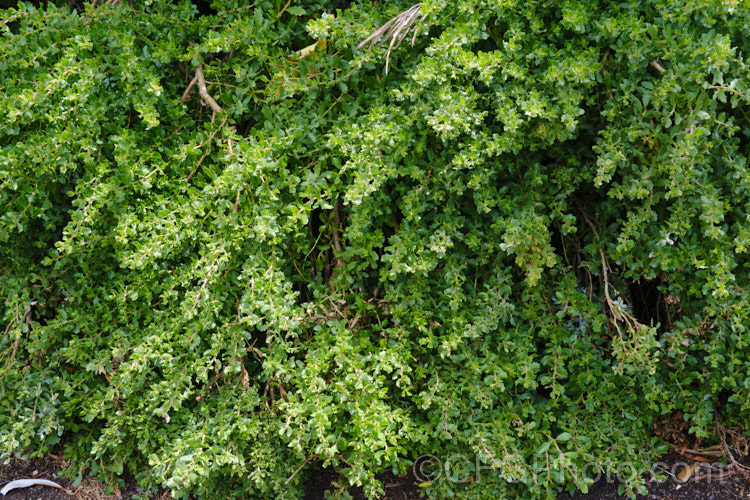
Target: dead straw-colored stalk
[[395, 30]]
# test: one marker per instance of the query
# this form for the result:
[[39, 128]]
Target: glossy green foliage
[[521, 246]]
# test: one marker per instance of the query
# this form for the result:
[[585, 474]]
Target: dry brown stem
[[395, 30], [204, 91], [200, 80], [739, 444], [658, 66]]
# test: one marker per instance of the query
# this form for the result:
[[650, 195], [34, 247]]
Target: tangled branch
[[738, 444], [395, 30], [202, 90]]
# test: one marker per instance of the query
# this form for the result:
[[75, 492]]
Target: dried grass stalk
[[395, 30]]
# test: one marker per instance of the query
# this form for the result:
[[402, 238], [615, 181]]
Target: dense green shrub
[[520, 246]]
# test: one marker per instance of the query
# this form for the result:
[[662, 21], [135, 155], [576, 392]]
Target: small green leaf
[[544, 447], [296, 11], [565, 436]]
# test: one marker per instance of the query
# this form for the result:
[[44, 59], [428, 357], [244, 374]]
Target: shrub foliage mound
[[235, 246]]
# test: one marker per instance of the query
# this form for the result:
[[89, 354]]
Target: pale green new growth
[[233, 252]]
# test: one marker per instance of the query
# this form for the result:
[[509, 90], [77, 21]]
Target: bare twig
[[618, 314], [588, 220], [658, 66], [711, 451], [186, 94], [336, 239], [265, 392], [210, 138], [244, 376], [336, 229], [204, 91], [739, 444], [200, 80], [312, 457], [338, 311], [283, 9]]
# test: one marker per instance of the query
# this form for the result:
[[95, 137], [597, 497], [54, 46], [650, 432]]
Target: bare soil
[[711, 481], [708, 483]]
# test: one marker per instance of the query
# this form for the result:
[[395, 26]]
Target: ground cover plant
[[243, 238]]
